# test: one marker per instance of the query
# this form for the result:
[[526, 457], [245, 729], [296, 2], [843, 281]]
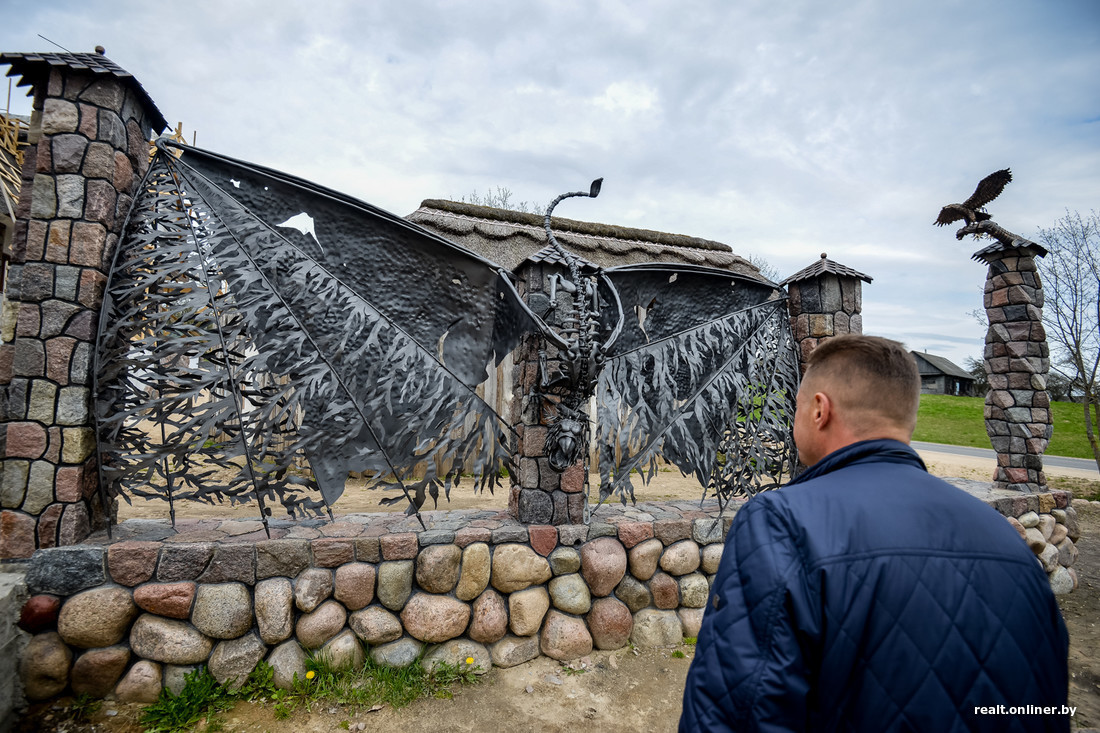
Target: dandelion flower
[[310, 674], [469, 660]]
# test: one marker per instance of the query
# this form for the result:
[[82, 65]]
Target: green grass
[[202, 696], [961, 421]]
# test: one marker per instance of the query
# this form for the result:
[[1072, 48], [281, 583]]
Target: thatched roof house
[[510, 237]]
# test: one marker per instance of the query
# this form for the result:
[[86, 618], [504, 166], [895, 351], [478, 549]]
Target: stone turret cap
[[33, 69], [823, 266], [998, 249]]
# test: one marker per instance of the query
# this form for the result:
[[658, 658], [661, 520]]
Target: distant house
[[941, 376]]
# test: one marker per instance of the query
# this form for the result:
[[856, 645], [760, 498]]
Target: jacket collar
[[882, 450]]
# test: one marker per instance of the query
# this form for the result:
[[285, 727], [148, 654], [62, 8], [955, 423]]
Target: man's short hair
[[873, 376]]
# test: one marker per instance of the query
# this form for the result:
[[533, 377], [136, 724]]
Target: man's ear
[[822, 410]]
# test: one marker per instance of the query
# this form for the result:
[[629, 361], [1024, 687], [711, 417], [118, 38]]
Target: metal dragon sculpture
[[243, 358]]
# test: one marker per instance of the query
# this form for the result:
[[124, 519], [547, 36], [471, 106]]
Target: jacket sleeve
[[751, 670]]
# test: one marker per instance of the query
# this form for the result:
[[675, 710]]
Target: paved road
[[1081, 464]]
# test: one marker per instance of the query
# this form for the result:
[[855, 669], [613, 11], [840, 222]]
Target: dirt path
[[621, 691]]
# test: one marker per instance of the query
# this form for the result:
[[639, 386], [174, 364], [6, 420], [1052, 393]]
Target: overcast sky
[[782, 128]]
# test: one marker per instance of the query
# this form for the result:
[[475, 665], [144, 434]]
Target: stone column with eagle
[[1017, 357]]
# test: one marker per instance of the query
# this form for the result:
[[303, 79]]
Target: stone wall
[[134, 616], [1017, 360], [89, 150], [138, 614], [539, 494], [1048, 524]]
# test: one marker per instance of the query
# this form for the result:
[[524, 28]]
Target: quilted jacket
[[868, 595]]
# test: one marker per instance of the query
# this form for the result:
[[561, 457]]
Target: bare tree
[[1071, 275], [501, 199], [977, 369], [766, 268]]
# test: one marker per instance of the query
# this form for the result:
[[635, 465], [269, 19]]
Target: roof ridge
[[575, 226]]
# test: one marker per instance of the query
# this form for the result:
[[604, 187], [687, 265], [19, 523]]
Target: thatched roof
[[510, 237]]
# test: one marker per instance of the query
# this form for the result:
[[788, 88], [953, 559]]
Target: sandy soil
[[668, 484], [621, 691]]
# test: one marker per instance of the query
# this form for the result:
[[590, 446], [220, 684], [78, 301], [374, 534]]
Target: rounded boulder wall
[[665, 590], [437, 568], [633, 593], [401, 653], [39, 613], [681, 558], [694, 590], [232, 661], [610, 622], [644, 558], [142, 684], [569, 593], [490, 618], [96, 618], [458, 653], [44, 667], [395, 579], [274, 610], [565, 637], [315, 628], [474, 578], [222, 610], [312, 587], [712, 558], [343, 651], [527, 608], [355, 585], [435, 619], [97, 671], [512, 650], [516, 567], [654, 628], [691, 620], [168, 640], [375, 625], [603, 565], [287, 661]]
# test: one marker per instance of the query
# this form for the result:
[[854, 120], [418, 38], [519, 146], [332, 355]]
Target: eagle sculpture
[[972, 210], [978, 221]]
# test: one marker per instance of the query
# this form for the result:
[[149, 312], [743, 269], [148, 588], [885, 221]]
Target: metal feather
[[712, 399]]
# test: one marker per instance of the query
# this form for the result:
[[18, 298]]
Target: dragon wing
[[353, 342], [703, 374]]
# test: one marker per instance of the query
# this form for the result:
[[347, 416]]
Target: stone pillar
[[539, 494], [824, 300], [1017, 359], [89, 149]]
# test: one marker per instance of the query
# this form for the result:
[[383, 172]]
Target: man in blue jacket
[[868, 595]]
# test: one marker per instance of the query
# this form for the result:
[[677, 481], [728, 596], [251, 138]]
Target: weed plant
[[365, 687]]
